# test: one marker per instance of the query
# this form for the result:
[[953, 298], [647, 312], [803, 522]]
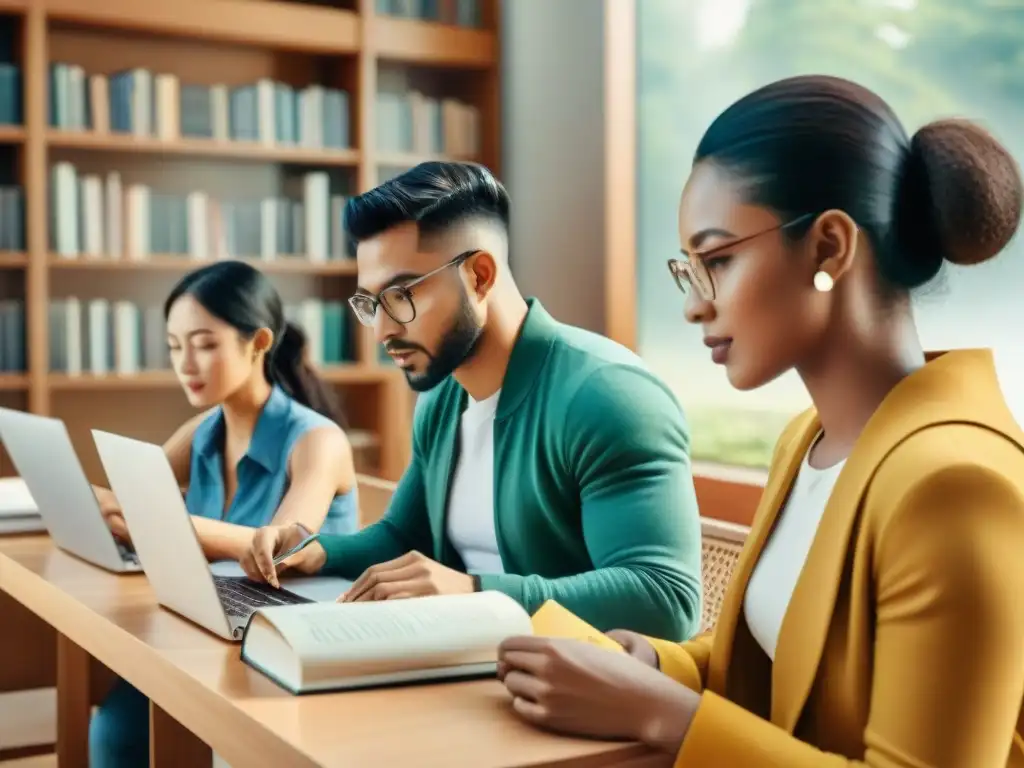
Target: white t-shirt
[[471, 497], [775, 575]]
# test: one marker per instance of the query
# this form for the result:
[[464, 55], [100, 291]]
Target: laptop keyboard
[[241, 597]]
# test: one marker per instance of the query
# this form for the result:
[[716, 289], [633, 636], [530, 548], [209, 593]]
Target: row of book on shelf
[[414, 122], [104, 217], [100, 336], [142, 103], [460, 13], [138, 102]]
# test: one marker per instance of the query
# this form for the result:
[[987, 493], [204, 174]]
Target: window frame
[[724, 492], [729, 493]]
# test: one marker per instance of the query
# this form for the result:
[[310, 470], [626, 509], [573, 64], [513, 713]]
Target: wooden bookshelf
[[13, 260], [179, 264], [344, 45], [280, 25], [225, 150], [12, 382], [413, 42]]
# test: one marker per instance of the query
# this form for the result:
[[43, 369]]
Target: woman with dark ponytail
[[268, 449], [876, 614]]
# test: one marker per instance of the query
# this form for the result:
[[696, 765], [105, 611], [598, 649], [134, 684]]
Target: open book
[[339, 646]]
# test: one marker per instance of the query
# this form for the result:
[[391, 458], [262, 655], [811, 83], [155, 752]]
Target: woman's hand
[[118, 527], [579, 688], [637, 646], [112, 515]]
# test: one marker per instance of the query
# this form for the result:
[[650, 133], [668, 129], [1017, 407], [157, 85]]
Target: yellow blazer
[[903, 645]]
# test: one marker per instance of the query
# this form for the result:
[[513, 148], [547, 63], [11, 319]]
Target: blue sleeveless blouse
[[262, 471]]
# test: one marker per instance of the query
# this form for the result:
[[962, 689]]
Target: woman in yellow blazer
[[876, 614]]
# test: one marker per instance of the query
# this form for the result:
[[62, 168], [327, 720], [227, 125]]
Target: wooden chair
[[28, 674], [721, 546], [374, 497]]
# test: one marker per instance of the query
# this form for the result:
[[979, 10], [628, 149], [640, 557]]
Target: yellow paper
[[552, 620]]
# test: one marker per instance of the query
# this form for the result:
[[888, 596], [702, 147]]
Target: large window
[[928, 58]]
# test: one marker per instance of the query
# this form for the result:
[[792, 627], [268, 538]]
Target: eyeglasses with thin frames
[[692, 270], [396, 300]]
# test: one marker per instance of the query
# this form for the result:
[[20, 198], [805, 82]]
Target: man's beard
[[456, 347]]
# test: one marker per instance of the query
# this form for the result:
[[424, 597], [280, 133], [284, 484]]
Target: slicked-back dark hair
[[435, 195]]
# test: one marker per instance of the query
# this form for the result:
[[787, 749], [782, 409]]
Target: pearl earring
[[823, 281]]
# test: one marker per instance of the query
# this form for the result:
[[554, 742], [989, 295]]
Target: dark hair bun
[[960, 196]]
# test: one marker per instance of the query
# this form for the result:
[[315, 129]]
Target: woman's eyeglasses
[[692, 270]]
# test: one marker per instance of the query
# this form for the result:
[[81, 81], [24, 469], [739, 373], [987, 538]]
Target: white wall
[[553, 158]]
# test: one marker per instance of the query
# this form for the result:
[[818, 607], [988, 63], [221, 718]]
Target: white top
[[775, 575], [471, 498]]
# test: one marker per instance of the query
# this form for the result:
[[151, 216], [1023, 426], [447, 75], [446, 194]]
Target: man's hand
[[270, 541], [411, 575]]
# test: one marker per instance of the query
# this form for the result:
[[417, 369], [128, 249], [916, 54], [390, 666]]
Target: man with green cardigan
[[547, 461]]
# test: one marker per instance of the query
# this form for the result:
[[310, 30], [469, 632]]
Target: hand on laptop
[[114, 519], [411, 575], [111, 509], [270, 541], [118, 527]]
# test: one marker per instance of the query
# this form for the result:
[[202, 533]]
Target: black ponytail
[[244, 298], [287, 366]]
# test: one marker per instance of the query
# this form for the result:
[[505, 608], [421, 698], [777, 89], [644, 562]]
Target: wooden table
[[204, 696]]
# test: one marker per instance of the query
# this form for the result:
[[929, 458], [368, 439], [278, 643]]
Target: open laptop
[[168, 547], [44, 456]]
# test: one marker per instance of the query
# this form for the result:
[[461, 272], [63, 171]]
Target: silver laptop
[[168, 548], [41, 450]]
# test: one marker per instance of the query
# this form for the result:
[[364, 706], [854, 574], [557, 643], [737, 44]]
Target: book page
[[453, 628]]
